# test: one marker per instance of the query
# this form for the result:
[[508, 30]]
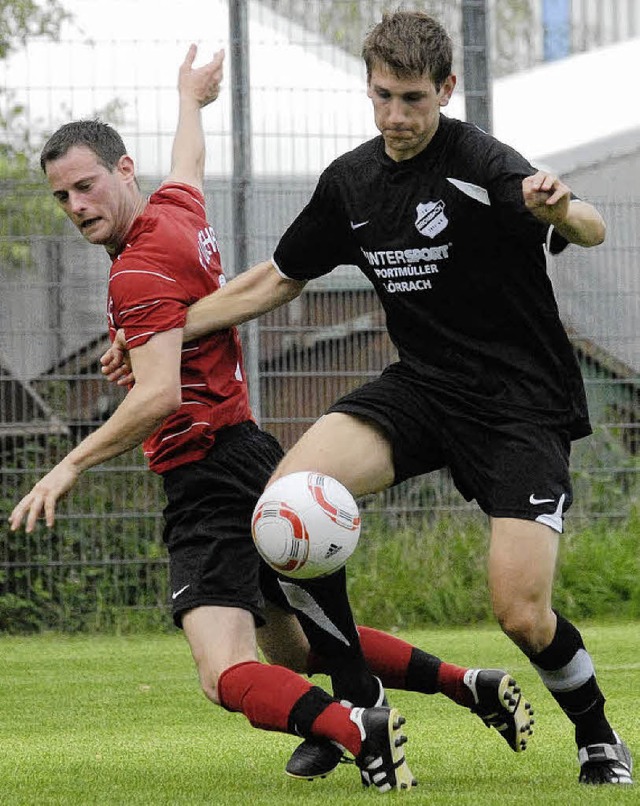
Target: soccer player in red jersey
[[189, 406]]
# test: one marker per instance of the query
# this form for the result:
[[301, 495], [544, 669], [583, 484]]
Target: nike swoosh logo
[[534, 500], [359, 224], [175, 594]]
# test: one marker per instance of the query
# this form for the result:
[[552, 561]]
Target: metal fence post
[[241, 179], [477, 87]]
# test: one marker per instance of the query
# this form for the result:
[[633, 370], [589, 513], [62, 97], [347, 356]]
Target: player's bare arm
[[549, 199], [196, 89], [155, 395], [249, 295]]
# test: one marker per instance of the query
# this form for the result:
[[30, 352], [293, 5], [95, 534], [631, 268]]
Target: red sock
[[264, 694], [387, 656], [401, 665], [451, 684], [331, 724]]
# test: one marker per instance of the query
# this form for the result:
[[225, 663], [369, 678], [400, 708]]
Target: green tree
[[21, 20], [21, 197]]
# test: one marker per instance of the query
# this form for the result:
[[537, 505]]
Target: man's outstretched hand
[[202, 83], [43, 497]]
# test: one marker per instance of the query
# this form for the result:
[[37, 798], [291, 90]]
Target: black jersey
[[459, 265]]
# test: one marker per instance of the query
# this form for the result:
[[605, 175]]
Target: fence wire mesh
[[308, 105]]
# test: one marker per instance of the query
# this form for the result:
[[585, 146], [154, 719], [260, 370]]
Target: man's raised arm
[[196, 88]]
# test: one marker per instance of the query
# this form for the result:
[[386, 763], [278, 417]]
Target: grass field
[[120, 721]]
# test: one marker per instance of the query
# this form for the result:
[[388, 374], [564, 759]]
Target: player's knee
[[517, 619], [525, 623], [517, 625]]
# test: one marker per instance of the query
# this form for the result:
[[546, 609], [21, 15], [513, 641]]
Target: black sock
[[422, 672], [306, 710], [567, 671], [323, 609]]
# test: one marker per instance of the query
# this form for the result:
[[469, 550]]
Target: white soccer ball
[[306, 525]]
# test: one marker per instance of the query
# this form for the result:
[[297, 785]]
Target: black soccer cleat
[[605, 763], [316, 758], [500, 705], [381, 760]]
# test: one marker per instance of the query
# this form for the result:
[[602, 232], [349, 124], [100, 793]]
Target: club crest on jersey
[[431, 219], [207, 246]]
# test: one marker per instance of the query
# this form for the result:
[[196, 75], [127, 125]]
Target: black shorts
[[513, 468], [212, 557]]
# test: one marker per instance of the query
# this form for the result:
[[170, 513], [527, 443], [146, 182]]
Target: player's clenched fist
[[546, 196]]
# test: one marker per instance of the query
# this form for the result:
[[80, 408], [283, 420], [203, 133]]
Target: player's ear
[[126, 168], [446, 90]]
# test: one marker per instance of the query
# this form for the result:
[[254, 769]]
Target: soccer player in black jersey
[[454, 229]]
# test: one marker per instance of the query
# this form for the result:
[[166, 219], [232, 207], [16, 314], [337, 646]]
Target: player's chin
[[401, 141], [399, 136], [94, 231]]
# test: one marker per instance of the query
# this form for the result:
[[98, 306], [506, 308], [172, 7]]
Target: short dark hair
[[409, 43], [102, 139]]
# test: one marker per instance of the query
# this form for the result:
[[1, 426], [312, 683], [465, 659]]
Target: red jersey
[[170, 260]]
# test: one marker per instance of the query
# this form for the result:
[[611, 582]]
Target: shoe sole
[[319, 776], [606, 765], [404, 777], [520, 715], [605, 776]]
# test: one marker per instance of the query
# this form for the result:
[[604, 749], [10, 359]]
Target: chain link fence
[[308, 104]]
